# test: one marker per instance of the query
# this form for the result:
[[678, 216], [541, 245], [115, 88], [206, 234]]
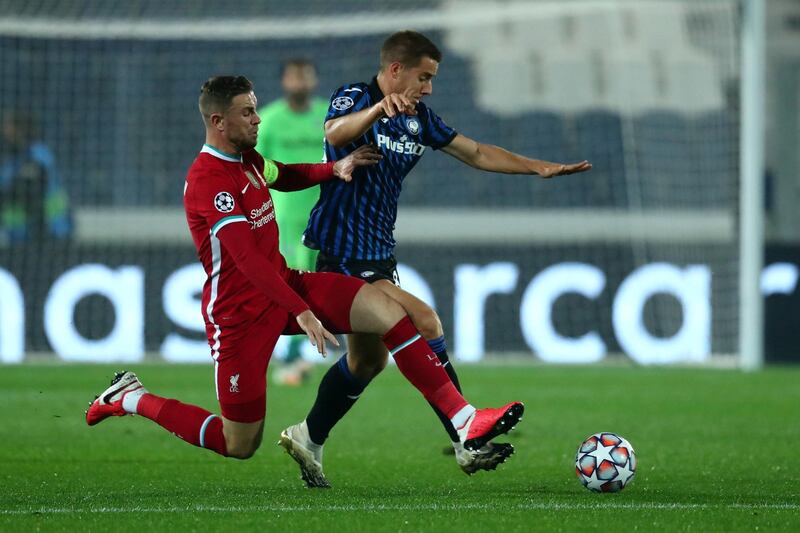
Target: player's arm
[[239, 242], [300, 176], [345, 129], [236, 237], [495, 159], [229, 224]]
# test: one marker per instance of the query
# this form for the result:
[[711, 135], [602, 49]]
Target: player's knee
[[240, 454], [393, 312], [243, 450], [366, 368], [243, 447], [375, 367], [382, 306], [374, 312], [428, 323]]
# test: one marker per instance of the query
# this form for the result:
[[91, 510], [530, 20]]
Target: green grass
[[718, 451]]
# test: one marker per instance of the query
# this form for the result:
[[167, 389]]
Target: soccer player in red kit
[[250, 297]]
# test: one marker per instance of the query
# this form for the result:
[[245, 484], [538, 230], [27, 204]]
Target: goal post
[[751, 325]]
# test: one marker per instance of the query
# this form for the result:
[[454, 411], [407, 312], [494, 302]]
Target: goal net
[[637, 257]]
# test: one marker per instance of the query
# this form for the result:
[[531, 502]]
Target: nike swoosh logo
[[112, 393], [259, 174], [245, 188]]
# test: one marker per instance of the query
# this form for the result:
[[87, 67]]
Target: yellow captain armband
[[270, 171]]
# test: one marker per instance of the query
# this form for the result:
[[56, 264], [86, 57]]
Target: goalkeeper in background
[[291, 132]]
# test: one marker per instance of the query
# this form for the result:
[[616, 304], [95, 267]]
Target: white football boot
[[487, 457], [297, 443]]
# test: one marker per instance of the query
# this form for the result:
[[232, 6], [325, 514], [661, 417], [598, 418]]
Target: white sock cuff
[[131, 400], [462, 416]]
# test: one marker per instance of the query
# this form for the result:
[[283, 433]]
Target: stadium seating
[[662, 159], [717, 160], [599, 138], [572, 98]]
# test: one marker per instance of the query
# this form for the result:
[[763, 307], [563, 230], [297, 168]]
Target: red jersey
[[232, 220]]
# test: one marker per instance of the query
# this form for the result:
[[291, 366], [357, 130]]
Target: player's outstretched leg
[[425, 319], [374, 312], [127, 396], [487, 457], [423, 369]]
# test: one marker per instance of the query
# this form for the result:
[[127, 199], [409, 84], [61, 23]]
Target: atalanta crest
[[412, 124]]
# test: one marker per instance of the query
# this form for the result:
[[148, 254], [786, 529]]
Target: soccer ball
[[605, 462]]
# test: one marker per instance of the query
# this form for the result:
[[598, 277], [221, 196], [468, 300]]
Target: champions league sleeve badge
[[341, 103], [223, 201], [412, 125]]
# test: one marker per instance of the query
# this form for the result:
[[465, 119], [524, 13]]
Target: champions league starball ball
[[605, 462]]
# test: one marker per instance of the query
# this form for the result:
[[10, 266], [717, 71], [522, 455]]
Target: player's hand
[[397, 104], [546, 169], [362, 156], [316, 331]]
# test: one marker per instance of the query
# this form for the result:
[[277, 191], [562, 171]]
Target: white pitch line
[[551, 506]]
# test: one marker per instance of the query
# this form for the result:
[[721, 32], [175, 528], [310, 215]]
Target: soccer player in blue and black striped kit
[[352, 223]]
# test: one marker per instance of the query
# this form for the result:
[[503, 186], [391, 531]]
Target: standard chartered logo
[[255, 213], [266, 219], [401, 147]]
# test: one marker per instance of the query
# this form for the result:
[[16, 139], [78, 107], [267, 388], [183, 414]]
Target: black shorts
[[369, 271]]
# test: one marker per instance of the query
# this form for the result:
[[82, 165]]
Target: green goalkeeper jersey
[[291, 137]]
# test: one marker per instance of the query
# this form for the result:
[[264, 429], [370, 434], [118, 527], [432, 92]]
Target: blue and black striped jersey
[[356, 220]]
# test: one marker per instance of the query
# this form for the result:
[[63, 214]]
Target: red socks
[[193, 424], [414, 358], [422, 368]]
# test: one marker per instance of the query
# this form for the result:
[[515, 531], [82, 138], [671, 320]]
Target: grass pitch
[[717, 449]]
